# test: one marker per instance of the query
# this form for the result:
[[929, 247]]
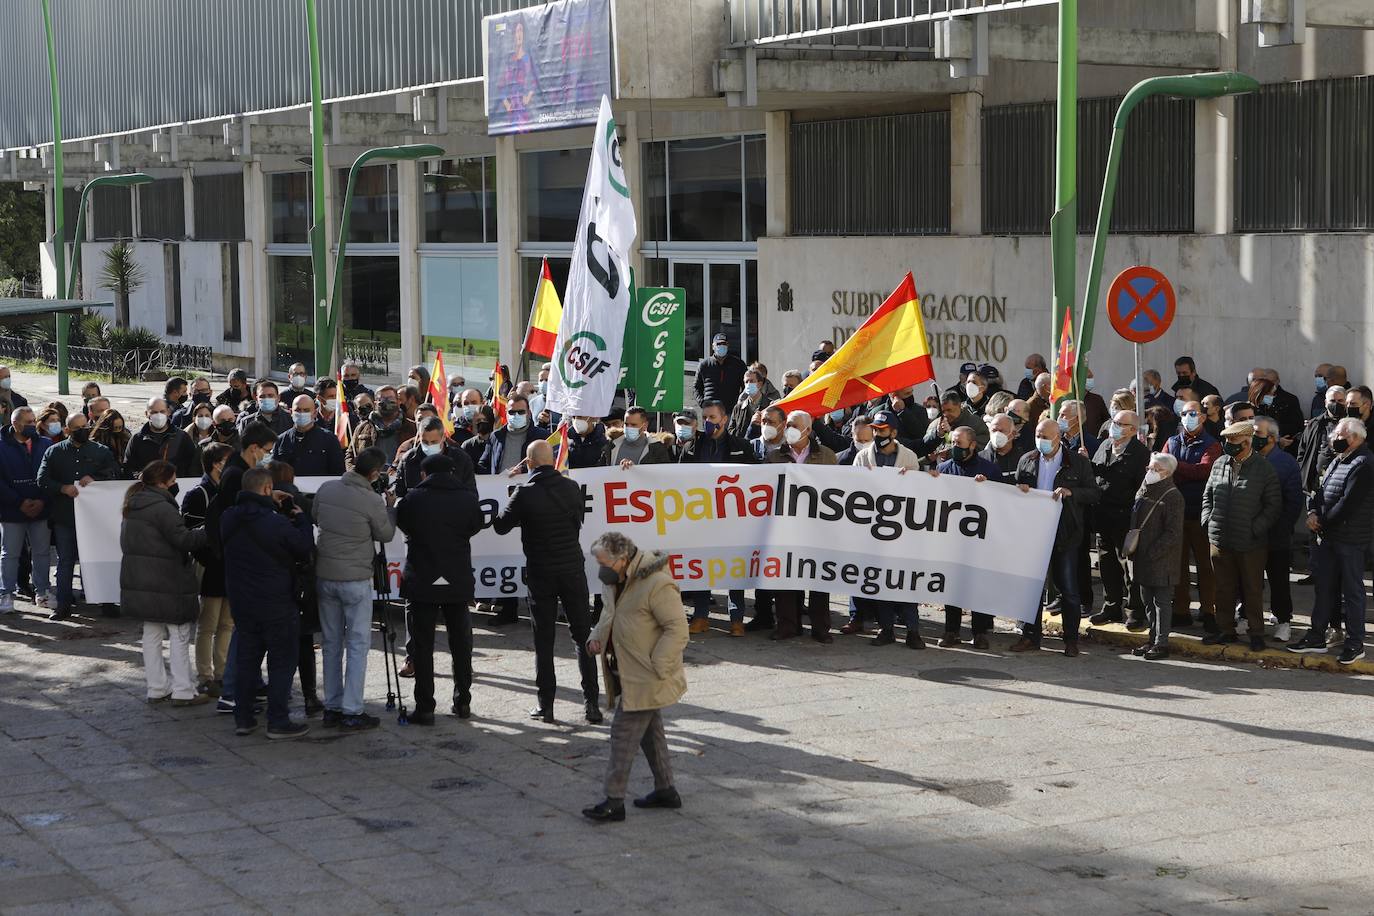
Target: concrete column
[[254, 289], [1214, 132], [966, 161], [508, 231], [777, 152], [188, 202], [410, 236]]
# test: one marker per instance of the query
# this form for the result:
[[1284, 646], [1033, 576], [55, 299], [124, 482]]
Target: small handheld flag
[[1063, 363], [498, 403], [438, 391], [559, 441], [342, 429], [546, 313]]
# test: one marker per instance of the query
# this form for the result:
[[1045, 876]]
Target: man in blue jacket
[[261, 548], [966, 461], [23, 507], [310, 449], [1280, 561]]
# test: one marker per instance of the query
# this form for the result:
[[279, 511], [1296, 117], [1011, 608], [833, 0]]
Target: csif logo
[[659, 308], [615, 168], [583, 359]]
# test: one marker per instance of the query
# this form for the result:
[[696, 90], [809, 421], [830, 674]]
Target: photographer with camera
[[261, 549], [353, 518]]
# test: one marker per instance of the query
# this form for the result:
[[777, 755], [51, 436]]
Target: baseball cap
[[966, 368], [883, 418], [720, 338], [988, 371]]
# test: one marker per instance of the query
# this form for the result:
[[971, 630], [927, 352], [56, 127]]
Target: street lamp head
[[405, 152], [120, 181], [1188, 86]]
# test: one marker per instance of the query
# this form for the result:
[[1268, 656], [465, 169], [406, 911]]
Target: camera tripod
[[382, 602]]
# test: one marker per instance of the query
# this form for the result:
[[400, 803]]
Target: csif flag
[[889, 351], [546, 313], [596, 304], [438, 391], [1063, 362]]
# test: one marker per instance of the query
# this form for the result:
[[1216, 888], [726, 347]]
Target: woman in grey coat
[[158, 582], [1158, 515]]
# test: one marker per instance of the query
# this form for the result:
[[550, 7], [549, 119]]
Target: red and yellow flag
[[559, 441], [438, 391], [341, 426], [498, 403], [1063, 362], [887, 352], [546, 314]]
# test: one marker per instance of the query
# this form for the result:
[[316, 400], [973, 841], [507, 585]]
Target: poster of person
[[548, 66]]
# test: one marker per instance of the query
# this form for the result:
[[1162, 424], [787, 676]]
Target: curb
[[1114, 634]]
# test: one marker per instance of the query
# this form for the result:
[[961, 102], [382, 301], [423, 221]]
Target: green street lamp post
[[102, 181], [1064, 222], [1193, 86]]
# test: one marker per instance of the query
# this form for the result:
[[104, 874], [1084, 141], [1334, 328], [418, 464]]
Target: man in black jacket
[[1070, 478], [439, 516], [548, 510], [261, 549], [1314, 448], [1340, 520], [1120, 464], [720, 376], [431, 441], [310, 449], [266, 410], [159, 440], [1188, 378], [715, 445]]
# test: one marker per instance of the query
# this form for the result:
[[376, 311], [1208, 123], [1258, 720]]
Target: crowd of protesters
[[1189, 500]]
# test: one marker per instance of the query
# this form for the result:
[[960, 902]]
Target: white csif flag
[[596, 304]]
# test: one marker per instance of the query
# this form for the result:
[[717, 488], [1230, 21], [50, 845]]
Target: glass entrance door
[[721, 299]]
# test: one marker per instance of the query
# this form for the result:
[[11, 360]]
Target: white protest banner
[[847, 531], [596, 303]]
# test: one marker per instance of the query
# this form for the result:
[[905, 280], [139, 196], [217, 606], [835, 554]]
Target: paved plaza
[[841, 779]]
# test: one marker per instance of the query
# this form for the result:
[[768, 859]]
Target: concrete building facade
[[786, 173]]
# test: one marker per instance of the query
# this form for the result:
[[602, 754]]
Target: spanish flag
[[546, 314], [559, 441], [341, 427], [498, 403], [1064, 359], [438, 391], [887, 352]]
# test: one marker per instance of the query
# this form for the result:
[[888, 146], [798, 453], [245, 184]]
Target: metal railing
[[186, 356], [372, 356], [99, 361], [864, 25]]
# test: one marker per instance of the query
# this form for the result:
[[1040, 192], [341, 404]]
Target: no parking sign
[[1141, 304]]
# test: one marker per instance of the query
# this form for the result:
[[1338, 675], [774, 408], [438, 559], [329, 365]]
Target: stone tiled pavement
[[841, 779]]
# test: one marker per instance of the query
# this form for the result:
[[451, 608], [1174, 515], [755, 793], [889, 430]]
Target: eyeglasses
[[1189, 413], [519, 413]]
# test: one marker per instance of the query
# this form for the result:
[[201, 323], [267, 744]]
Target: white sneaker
[[1283, 632], [1242, 627], [6, 604], [1273, 619], [43, 599]]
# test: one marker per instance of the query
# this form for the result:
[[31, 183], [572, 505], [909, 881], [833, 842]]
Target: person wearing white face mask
[[1005, 447], [587, 441], [750, 402], [429, 441], [266, 409], [1157, 523], [635, 445], [310, 449], [465, 412], [506, 447], [201, 428], [1195, 450], [802, 448], [159, 440], [769, 440], [975, 390], [297, 378], [1119, 463]]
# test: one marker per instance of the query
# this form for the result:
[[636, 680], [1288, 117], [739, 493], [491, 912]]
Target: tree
[[121, 275], [22, 228]]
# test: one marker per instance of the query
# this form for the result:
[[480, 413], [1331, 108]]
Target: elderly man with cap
[[978, 387], [1339, 518], [1120, 464], [720, 376], [1240, 503]]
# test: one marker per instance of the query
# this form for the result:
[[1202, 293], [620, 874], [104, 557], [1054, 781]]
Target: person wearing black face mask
[[1240, 503], [66, 468], [352, 381], [200, 394], [964, 461], [1314, 448], [1188, 378], [386, 428]]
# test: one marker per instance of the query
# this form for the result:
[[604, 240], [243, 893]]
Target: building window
[[705, 190], [551, 186], [293, 316], [372, 299], [374, 216], [290, 204], [218, 201], [162, 209], [459, 200], [459, 312], [885, 175], [1322, 175], [112, 213], [171, 275], [1155, 186], [231, 292]]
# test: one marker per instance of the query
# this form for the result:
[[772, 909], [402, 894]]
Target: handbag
[[1131, 542]]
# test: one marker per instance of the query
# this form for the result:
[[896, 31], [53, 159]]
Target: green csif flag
[[655, 334]]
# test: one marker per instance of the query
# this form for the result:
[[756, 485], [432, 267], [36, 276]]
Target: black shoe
[[1257, 643], [422, 718], [544, 713], [1218, 639], [359, 723], [1104, 617], [914, 640], [1053, 607], [244, 731], [62, 613], [332, 718], [660, 798], [594, 715], [463, 709], [884, 638], [1210, 625], [760, 623], [313, 706], [1136, 625], [1351, 654], [1309, 644], [606, 811], [288, 731], [1155, 653], [1141, 650]]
